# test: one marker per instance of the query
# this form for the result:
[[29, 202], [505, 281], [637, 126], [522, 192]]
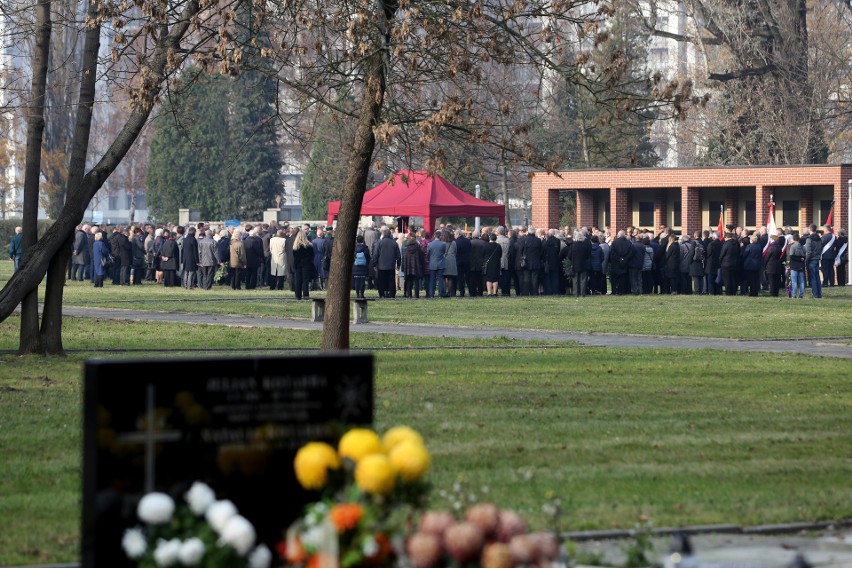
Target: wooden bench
[[359, 309]]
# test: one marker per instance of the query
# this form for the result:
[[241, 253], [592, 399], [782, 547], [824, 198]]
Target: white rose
[[238, 533], [191, 552], [261, 557], [134, 543], [199, 497], [219, 513], [156, 508], [167, 552]]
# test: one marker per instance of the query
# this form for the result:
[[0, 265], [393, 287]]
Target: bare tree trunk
[[29, 337], [51, 318], [51, 327], [335, 330], [81, 193]]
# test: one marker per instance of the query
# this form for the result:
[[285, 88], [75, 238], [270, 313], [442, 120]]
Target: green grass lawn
[[693, 436], [700, 316]]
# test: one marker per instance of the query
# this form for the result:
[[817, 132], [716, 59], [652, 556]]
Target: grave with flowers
[[217, 432]]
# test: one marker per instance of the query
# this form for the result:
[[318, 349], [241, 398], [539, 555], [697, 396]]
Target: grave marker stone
[[234, 424]]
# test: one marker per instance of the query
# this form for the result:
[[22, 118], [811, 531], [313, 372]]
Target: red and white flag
[[830, 219], [721, 227], [770, 226]]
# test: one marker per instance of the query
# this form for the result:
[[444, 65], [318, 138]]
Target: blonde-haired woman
[[303, 264], [238, 260]]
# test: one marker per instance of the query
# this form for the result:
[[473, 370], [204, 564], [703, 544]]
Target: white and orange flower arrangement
[[200, 532]]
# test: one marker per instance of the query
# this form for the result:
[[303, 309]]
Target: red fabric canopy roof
[[416, 194]]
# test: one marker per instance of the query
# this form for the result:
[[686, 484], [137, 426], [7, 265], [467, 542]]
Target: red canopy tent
[[416, 194]]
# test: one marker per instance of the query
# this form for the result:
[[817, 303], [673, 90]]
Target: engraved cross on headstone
[[151, 437]]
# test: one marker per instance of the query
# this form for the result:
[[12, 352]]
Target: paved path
[[838, 347]]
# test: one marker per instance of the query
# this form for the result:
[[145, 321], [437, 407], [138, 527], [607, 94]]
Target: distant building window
[[824, 209], [676, 214], [750, 214], [113, 202], [715, 208], [646, 213], [659, 57], [128, 200], [790, 210], [140, 201]]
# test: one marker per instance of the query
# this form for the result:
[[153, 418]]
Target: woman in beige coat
[[238, 260], [277, 261]]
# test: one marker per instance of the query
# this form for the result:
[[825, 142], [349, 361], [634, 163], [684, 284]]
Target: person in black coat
[[477, 266], [189, 259], [672, 267], [123, 254], [463, 262], [729, 257], [711, 267], [254, 258], [829, 253], [303, 264], [223, 253], [387, 260], [138, 256], [169, 259], [619, 257], [634, 267], [581, 262], [552, 246], [360, 266], [772, 265], [514, 260], [530, 253]]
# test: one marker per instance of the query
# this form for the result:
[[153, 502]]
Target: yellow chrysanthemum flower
[[411, 460], [312, 463], [359, 443], [375, 475], [399, 434]]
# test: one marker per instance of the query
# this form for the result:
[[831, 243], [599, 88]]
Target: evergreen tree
[[326, 167], [216, 149]]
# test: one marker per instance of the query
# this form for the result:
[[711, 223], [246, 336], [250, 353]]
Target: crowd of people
[[201, 256], [589, 261], [494, 261]]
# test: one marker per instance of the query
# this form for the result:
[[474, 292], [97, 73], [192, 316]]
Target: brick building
[[689, 199]]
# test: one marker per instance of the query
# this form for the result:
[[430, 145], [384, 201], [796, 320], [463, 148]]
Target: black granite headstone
[[234, 424]]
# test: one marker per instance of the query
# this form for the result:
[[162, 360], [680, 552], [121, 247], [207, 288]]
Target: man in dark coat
[[729, 256], [619, 257], [829, 253], [223, 253], [80, 254], [552, 272], [113, 247], [463, 254], [288, 256], [634, 267], [122, 252], [388, 260], [189, 259], [711, 266], [530, 252], [254, 257], [266, 233], [169, 254], [477, 261], [580, 252], [138, 256]]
